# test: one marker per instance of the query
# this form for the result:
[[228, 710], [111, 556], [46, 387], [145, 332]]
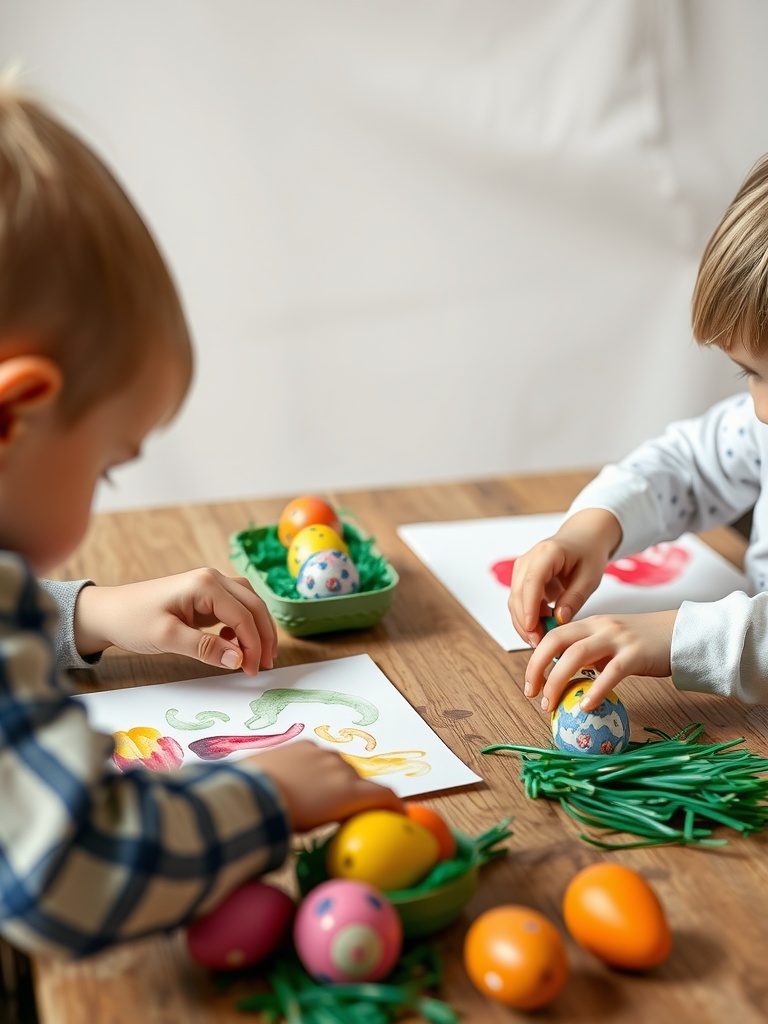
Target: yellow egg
[[308, 541], [383, 848]]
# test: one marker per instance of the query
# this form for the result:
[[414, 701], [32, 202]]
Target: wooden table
[[470, 692]]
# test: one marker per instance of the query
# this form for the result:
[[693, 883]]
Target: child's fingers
[[571, 659], [538, 663], [533, 636], [239, 645], [367, 795], [258, 624], [532, 595], [608, 679], [574, 596]]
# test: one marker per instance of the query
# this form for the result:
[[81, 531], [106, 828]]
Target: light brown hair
[[81, 278], [730, 298]]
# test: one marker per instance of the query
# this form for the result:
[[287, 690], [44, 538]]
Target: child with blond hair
[[700, 473], [94, 355]]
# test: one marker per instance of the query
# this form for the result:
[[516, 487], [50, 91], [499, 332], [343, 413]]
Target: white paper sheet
[[347, 704], [473, 557]]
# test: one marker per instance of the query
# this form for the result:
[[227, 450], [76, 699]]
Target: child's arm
[[169, 615], [564, 569]]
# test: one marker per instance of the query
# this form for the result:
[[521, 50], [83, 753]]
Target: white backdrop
[[417, 240]]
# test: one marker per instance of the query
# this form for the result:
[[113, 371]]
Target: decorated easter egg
[[307, 510], [248, 926], [328, 574], [347, 931], [384, 849], [605, 730], [310, 540]]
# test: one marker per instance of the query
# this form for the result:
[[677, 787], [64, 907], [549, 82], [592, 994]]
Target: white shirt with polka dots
[[701, 473]]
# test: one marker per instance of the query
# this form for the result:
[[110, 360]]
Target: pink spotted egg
[[328, 574], [347, 931]]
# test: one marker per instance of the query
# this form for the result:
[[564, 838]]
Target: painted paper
[[347, 704]]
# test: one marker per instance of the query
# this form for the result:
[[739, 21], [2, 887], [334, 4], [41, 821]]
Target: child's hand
[[168, 615], [318, 786], [616, 645], [563, 570]]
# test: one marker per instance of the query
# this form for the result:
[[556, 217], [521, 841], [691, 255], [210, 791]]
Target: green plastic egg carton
[[258, 555]]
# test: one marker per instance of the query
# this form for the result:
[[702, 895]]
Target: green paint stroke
[[203, 720], [268, 707]]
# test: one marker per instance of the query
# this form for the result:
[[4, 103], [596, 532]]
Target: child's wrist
[[89, 638]]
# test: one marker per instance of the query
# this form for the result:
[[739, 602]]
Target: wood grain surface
[[470, 692]]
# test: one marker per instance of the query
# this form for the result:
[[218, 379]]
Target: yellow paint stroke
[[136, 743], [346, 736], [405, 761]]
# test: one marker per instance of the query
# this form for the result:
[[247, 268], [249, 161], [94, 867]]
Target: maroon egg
[[248, 926]]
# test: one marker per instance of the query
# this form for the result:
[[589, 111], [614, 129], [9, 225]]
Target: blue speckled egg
[[328, 574], [602, 731]]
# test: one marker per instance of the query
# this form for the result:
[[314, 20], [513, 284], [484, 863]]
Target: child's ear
[[26, 383]]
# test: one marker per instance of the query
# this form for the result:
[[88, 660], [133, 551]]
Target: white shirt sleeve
[[721, 647]]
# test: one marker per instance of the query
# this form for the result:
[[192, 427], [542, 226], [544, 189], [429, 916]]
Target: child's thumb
[[210, 648]]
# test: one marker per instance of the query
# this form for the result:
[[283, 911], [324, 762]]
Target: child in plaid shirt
[[94, 355]]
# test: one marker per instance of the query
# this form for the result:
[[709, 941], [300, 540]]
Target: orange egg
[[516, 955], [614, 913], [307, 510], [437, 826]]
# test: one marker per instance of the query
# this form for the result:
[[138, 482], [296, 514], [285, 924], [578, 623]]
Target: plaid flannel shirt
[[88, 857]]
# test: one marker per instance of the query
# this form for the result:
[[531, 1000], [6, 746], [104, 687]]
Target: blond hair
[[730, 299], [81, 278]]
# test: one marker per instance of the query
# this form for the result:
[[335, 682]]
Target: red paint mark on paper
[[658, 565], [655, 567], [502, 570], [212, 748]]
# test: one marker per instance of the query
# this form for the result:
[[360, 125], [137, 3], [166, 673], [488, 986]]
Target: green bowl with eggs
[[259, 556], [440, 897]]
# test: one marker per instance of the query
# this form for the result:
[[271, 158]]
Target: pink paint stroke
[[214, 747]]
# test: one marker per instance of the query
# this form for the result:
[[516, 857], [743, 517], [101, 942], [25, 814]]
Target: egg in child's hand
[[246, 927], [310, 540], [604, 730], [347, 931], [306, 510], [328, 574], [384, 849]]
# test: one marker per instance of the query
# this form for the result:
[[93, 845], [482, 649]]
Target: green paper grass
[[673, 790], [297, 998], [268, 555]]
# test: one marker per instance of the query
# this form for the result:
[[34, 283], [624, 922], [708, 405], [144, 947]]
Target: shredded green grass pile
[[673, 790], [298, 999], [268, 555]]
